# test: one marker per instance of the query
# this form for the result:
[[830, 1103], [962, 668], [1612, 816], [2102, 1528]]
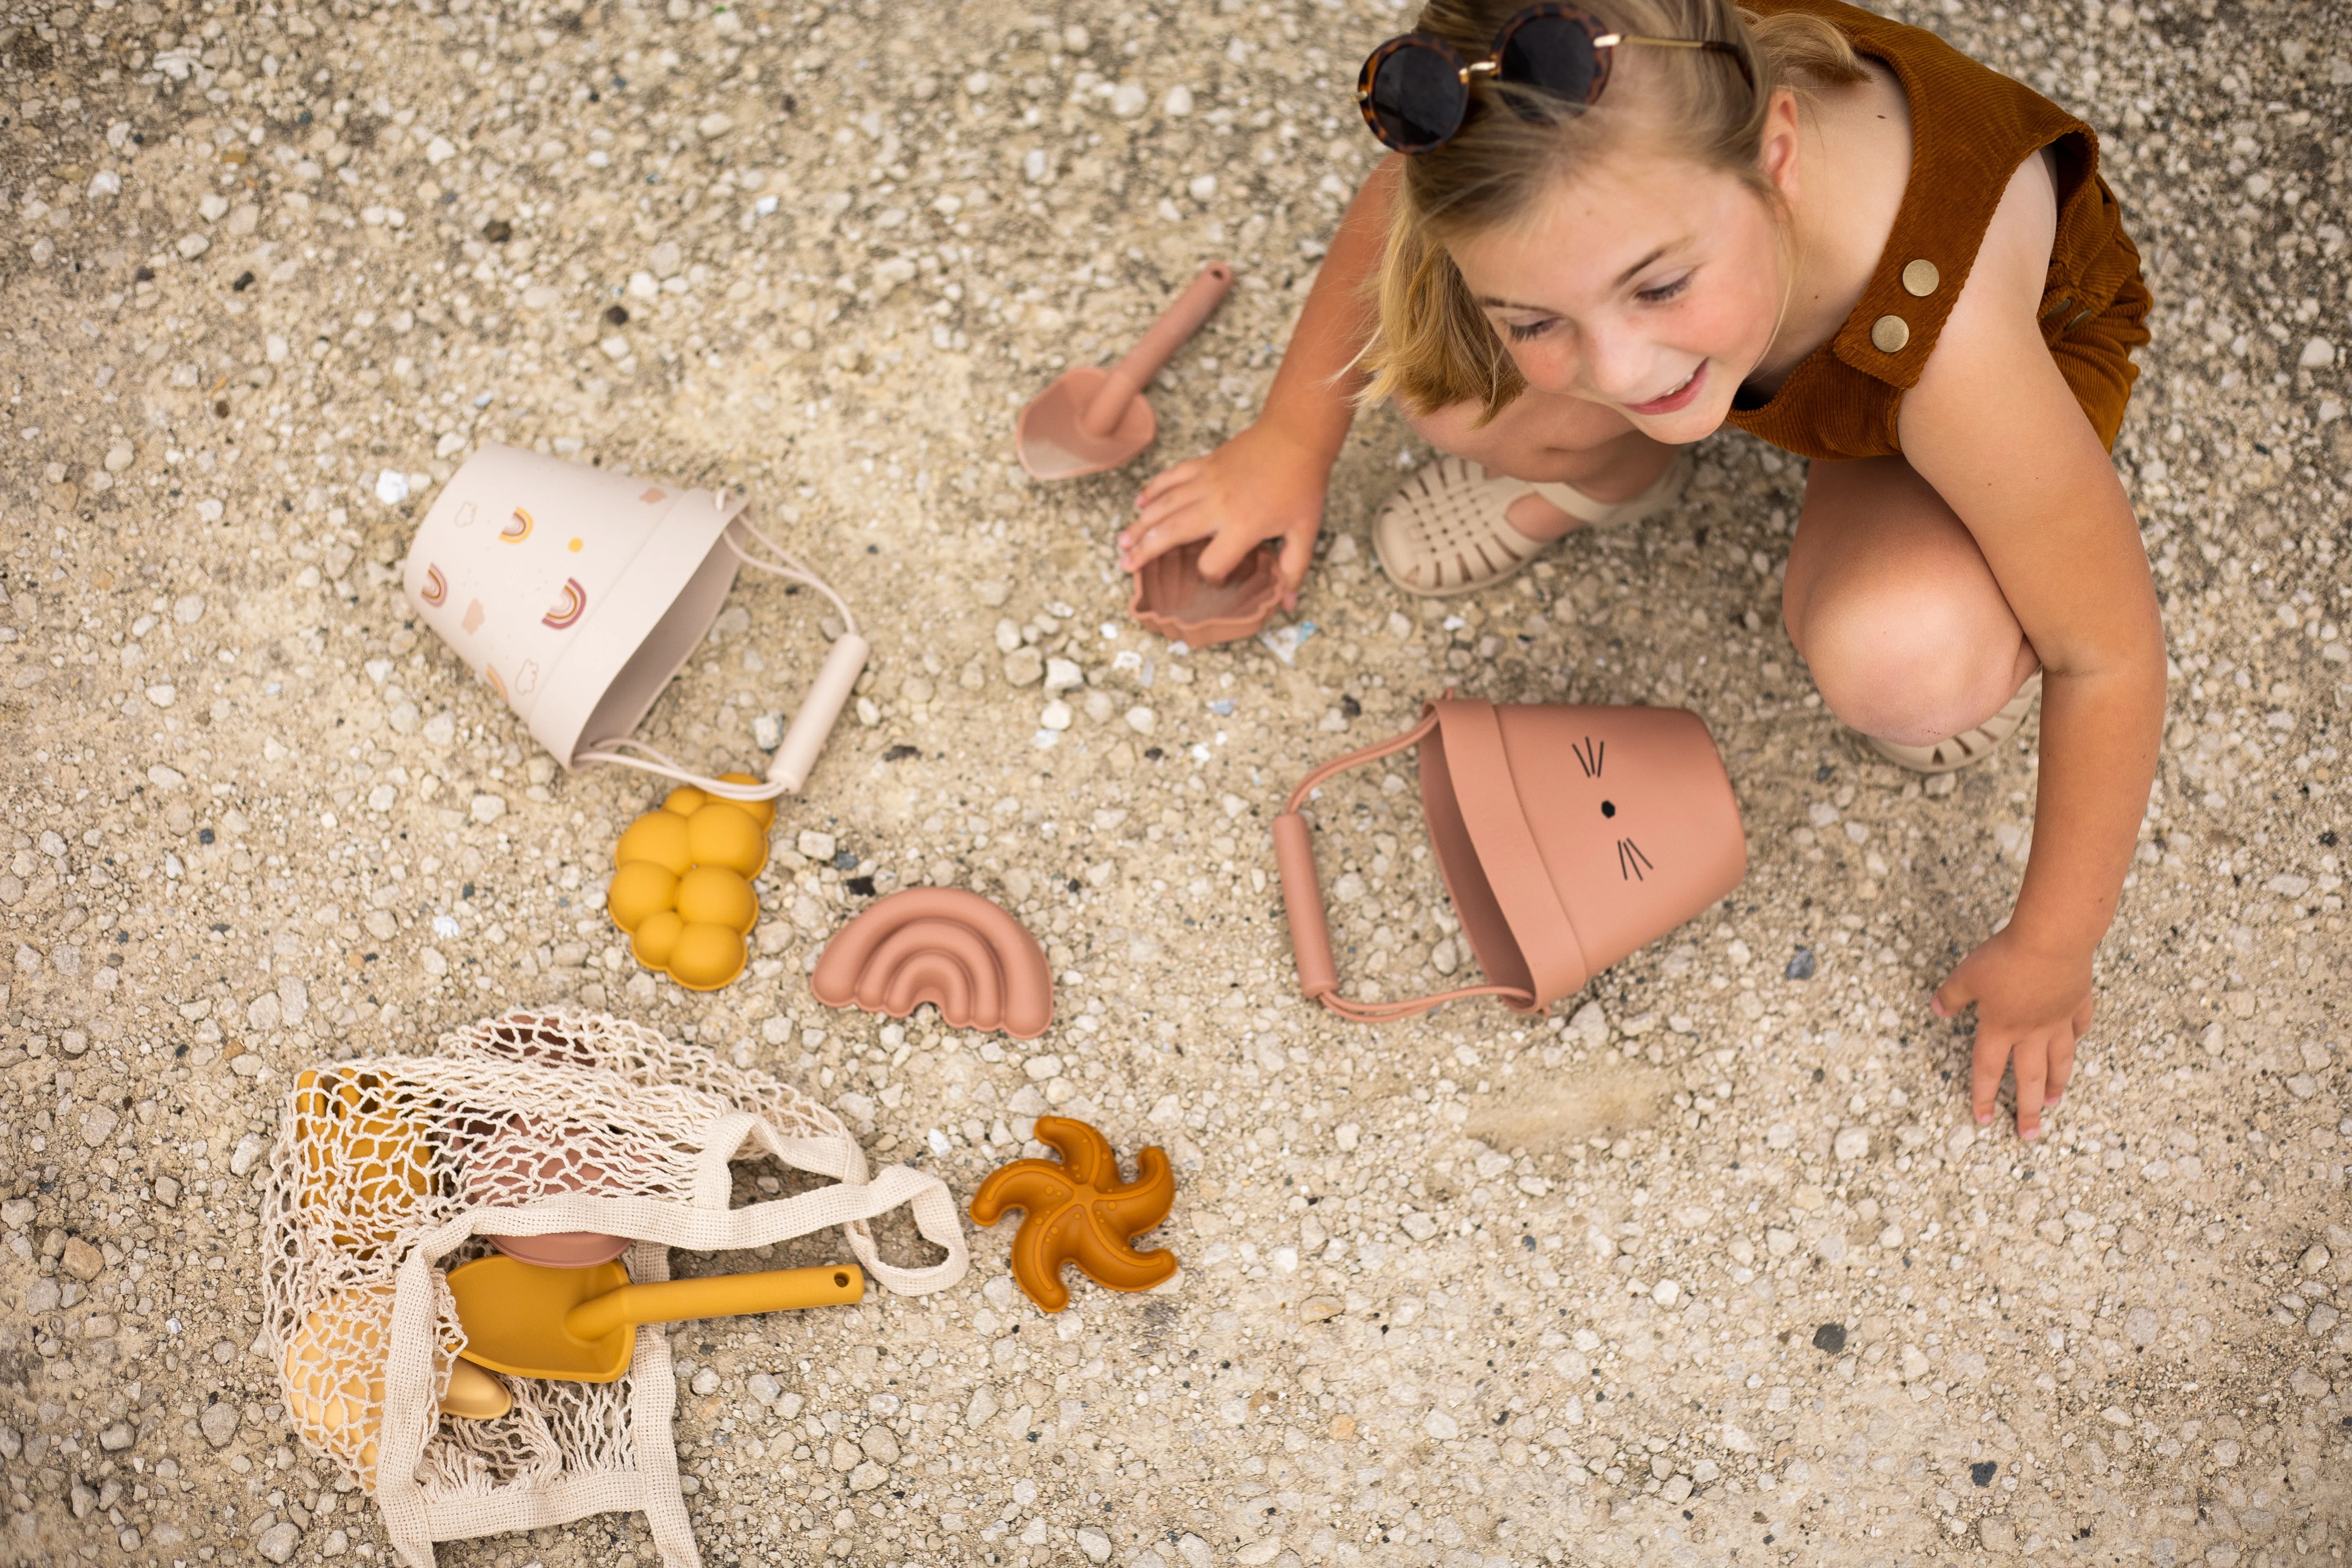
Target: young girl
[[1608, 228]]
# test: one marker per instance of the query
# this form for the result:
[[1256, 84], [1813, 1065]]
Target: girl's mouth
[[1680, 398]]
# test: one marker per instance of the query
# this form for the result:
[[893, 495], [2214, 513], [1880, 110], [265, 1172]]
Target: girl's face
[[1649, 284]]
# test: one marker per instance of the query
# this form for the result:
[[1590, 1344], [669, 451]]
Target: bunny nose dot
[[1608, 808]]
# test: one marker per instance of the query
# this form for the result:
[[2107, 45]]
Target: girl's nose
[[1621, 366]]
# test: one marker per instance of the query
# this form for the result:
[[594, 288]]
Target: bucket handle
[[811, 725], [1302, 900]]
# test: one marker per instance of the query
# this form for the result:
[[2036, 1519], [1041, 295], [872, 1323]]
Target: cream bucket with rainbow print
[[576, 594]]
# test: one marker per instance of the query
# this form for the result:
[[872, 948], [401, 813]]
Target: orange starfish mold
[[1080, 1211]]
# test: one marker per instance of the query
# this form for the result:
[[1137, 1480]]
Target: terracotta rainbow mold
[[977, 965], [1080, 1211]]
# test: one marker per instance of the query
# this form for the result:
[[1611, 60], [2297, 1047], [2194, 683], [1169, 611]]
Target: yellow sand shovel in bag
[[579, 1325]]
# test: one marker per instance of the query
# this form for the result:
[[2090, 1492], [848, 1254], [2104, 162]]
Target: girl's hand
[[2033, 1006], [1265, 483]]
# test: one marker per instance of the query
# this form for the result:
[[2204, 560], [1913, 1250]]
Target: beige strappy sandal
[[1447, 529], [1968, 746]]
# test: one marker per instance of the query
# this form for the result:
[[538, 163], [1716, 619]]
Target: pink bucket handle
[[1302, 900], [1154, 349]]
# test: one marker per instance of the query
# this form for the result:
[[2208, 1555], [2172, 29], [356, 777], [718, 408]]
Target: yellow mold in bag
[[365, 1161], [682, 884]]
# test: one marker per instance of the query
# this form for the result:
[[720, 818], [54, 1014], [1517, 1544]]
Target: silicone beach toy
[[1090, 419], [1568, 836], [576, 592], [1174, 601], [682, 884], [1080, 1211], [517, 1160], [977, 965], [334, 1376], [580, 1324], [365, 1157]]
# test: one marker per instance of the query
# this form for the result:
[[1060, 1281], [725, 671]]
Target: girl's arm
[[1994, 428], [1268, 482]]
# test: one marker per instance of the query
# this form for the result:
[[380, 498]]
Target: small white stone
[[1665, 1292], [1852, 1143], [191, 245], [2317, 354], [1063, 675], [439, 150], [1055, 716], [391, 486], [616, 347], [1441, 1426], [705, 1382], [1202, 187], [1142, 719], [162, 696], [1129, 99], [488, 808], [1178, 103], [817, 846]]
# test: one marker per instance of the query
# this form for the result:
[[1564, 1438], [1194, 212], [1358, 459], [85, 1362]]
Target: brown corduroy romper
[[1970, 128]]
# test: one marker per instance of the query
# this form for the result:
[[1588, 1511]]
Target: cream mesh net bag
[[531, 1124]]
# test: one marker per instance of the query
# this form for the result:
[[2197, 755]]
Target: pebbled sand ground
[[1707, 1268]]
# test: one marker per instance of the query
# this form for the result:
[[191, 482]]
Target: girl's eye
[[1524, 332], [1663, 292]]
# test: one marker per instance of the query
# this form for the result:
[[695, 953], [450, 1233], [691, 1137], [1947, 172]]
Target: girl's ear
[[1777, 150]]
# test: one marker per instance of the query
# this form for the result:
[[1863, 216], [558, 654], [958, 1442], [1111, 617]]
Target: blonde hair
[[1433, 346]]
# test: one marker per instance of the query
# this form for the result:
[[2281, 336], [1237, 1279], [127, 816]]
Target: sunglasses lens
[[1417, 98], [1552, 55]]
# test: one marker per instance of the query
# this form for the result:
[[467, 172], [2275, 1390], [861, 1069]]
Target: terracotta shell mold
[[1174, 601], [954, 949], [1080, 1211]]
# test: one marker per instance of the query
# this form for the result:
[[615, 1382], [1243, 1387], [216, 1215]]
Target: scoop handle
[[1168, 334], [720, 1296]]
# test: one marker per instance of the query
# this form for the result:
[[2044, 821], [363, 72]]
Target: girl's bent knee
[[1908, 673]]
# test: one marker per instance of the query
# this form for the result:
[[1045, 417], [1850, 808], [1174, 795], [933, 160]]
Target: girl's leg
[[1892, 606], [1547, 438]]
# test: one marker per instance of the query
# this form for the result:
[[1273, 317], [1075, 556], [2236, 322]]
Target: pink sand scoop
[[1091, 419]]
